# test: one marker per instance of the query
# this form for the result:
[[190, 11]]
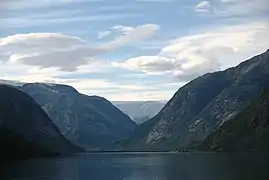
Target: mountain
[[88, 121], [201, 106], [248, 131], [26, 130], [140, 111]]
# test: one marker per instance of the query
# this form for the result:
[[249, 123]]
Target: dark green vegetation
[[248, 131], [26, 130], [88, 121], [202, 106]]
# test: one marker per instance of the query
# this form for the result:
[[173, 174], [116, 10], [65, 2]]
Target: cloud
[[148, 64], [56, 19], [102, 84], [47, 50], [29, 4], [41, 39], [103, 34], [30, 13], [62, 51], [131, 34], [234, 8], [190, 56], [203, 7], [113, 90]]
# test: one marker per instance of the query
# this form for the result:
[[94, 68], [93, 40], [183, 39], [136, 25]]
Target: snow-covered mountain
[[140, 111]]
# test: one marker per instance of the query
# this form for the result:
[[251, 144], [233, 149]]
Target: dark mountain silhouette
[[26, 130]]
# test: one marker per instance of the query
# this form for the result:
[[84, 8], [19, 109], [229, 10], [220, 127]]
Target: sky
[[128, 50]]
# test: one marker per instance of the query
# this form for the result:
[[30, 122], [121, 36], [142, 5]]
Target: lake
[[142, 166]]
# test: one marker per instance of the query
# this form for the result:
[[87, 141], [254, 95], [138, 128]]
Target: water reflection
[[145, 166]]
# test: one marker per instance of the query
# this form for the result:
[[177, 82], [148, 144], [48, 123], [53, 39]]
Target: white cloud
[[240, 8], [25, 73], [47, 50], [203, 7], [149, 64], [41, 39], [102, 87], [190, 56], [23, 4], [132, 34], [103, 34], [65, 52], [53, 57], [234, 8], [88, 85], [44, 19]]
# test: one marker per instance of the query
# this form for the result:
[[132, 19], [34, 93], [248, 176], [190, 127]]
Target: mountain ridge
[[201, 106], [88, 121], [26, 130]]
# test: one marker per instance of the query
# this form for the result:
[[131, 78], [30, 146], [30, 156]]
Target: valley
[[194, 119]]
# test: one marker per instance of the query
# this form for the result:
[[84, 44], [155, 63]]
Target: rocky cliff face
[[88, 121], [248, 131], [26, 130], [201, 106]]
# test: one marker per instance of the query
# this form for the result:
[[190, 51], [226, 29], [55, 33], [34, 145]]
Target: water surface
[[143, 166]]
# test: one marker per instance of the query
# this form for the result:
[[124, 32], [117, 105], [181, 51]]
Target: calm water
[[143, 166]]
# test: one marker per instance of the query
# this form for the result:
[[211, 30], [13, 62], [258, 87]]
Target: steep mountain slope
[[26, 130], [88, 121], [201, 106], [140, 111], [248, 131]]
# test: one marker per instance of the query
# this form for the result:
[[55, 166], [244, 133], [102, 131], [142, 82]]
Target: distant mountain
[[201, 106], [26, 130], [140, 111], [248, 131], [88, 121]]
